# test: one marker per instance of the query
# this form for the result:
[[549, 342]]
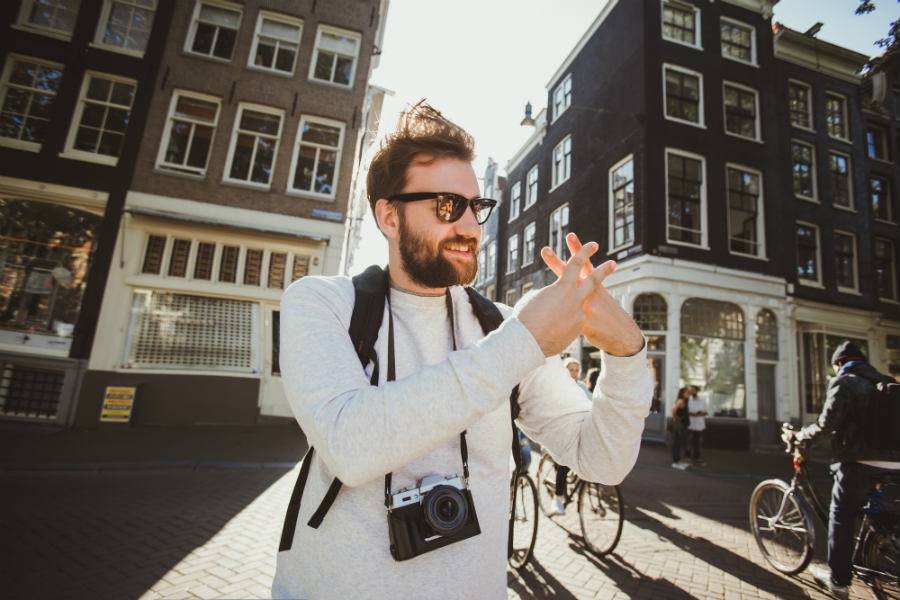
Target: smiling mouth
[[459, 251]]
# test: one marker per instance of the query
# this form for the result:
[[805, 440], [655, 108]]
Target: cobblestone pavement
[[211, 533]]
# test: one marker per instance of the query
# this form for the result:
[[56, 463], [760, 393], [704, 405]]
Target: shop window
[[816, 351], [651, 314]]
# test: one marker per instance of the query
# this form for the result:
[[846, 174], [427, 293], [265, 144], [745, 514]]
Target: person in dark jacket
[[856, 463]]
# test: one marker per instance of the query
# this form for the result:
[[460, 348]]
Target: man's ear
[[387, 219]]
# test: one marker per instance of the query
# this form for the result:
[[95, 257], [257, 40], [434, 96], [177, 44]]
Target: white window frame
[[527, 287], [845, 116], [855, 288], [315, 55], [232, 144], [287, 20], [510, 248], [169, 168], [813, 172], [192, 30], [515, 201], [69, 150], [757, 126], [562, 238], [760, 212], [818, 282], [888, 180], [754, 61], [704, 224], [491, 269], [510, 294], [566, 162], [528, 257], [809, 105], [304, 118], [22, 22], [531, 187], [19, 144], [698, 42], [894, 269], [562, 96], [104, 21], [850, 195], [701, 109], [612, 204]]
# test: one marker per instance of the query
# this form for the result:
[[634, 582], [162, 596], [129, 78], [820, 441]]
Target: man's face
[[436, 254], [574, 370]]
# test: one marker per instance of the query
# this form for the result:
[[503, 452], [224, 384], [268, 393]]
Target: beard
[[425, 263]]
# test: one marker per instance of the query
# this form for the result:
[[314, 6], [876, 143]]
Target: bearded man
[[442, 403]]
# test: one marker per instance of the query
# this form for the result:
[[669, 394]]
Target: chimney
[[812, 31]]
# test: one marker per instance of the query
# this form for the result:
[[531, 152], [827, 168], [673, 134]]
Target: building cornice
[[818, 55], [610, 5], [92, 201], [763, 7]]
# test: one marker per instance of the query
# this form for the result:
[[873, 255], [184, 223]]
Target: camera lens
[[445, 509]]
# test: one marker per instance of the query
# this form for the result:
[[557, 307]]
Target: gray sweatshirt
[[411, 427]]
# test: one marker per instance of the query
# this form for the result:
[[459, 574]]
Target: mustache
[[471, 244]]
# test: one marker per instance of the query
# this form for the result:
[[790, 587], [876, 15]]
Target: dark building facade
[[75, 93], [725, 163]]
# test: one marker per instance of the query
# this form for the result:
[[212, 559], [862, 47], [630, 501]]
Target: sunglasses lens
[[451, 208], [482, 212]]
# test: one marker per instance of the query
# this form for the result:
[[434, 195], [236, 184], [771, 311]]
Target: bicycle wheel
[[787, 544], [881, 557], [546, 483], [602, 514], [525, 520]]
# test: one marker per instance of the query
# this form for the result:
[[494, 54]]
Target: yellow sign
[[117, 404]]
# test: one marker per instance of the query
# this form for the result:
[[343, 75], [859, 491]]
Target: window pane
[[228, 266], [277, 262], [253, 267], [204, 262], [156, 245], [300, 268], [178, 261]]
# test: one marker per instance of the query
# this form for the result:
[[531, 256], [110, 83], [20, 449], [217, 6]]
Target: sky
[[480, 61]]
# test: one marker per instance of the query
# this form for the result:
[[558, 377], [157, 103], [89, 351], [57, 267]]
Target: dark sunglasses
[[451, 207]]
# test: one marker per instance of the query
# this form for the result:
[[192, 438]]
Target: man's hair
[[423, 135]]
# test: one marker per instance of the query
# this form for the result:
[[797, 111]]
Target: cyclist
[[856, 463]]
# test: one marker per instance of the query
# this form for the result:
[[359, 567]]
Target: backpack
[[880, 427], [370, 290]]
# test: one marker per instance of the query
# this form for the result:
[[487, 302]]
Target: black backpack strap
[[293, 509]]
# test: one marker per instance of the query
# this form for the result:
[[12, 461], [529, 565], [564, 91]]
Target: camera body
[[436, 513]]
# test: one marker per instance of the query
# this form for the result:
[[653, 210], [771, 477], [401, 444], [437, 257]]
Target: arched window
[[766, 335], [650, 312], [712, 354]]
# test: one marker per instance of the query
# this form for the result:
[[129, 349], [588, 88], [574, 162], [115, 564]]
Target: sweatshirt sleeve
[[598, 438], [362, 431]]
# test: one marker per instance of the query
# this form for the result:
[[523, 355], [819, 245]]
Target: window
[[766, 335], [511, 297], [651, 314], [684, 95], [559, 227], [52, 17], [686, 198], [562, 97], [876, 143], [512, 254], [125, 25], [745, 212], [621, 193], [681, 23], [253, 259], [845, 261], [479, 278], [275, 43], [490, 291], [841, 182], [229, 264], [527, 287], [334, 57], [254, 144], [836, 116], [178, 259], [800, 104], [712, 354], [531, 189], [317, 156], [738, 41], [804, 170], [816, 350], [885, 269], [808, 254], [300, 268], [741, 111], [562, 161], [277, 264], [515, 200], [178, 331], [492, 260], [153, 255], [528, 246], [27, 92], [203, 264], [880, 195], [101, 118], [214, 28], [188, 137]]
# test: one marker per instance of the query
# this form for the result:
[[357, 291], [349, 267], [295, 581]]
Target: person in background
[[574, 368], [697, 411], [559, 502], [679, 427], [590, 380]]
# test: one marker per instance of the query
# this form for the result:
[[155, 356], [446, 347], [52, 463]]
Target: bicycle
[[781, 518], [601, 509], [523, 519]]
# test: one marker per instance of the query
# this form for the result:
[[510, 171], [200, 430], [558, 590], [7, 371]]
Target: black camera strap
[[392, 376]]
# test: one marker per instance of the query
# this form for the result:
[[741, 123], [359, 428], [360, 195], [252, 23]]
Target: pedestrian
[[590, 380], [562, 471], [428, 403], [678, 427], [574, 368], [697, 412], [856, 461]]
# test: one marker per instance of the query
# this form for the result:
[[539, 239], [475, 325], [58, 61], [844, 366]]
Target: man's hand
[[607, 326], [554, 315]]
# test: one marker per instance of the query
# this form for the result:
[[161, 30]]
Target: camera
[[437, 512]]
